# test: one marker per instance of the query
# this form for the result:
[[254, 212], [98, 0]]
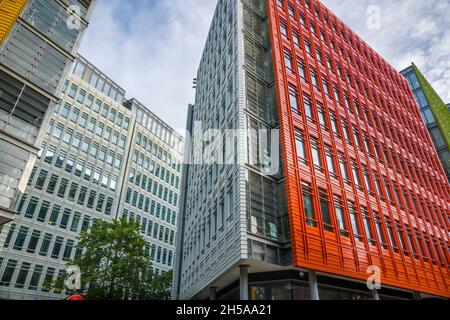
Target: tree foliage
[[115, 264]]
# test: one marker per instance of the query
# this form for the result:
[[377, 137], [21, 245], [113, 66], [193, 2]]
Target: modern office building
[[434, 112], [360, 187], [38, 42], [101, 158]]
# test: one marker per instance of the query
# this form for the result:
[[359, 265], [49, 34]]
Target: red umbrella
[[76, 297]]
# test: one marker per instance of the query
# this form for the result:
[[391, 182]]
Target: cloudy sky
[[152, 47]]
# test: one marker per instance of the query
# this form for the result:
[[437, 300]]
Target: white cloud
[[152, 48], [412, 31]]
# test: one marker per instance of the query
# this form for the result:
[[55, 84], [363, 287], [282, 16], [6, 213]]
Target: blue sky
[[152, 47]]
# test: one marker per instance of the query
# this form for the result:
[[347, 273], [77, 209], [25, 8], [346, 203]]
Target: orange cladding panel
[[364, 183]]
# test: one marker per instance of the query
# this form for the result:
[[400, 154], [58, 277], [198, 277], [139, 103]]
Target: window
[[85, 224], [296, 38], [367, 226], [420, 98], [300, 144], [321, 116], [41, 179], [288, 60], [72, 191], [21, 236], [330, 161], [283, 29], [356, 175], [94, 149], [76, 141], [307, 107], [60, 158], [354, 221], [54, 216], [427, 114], [293, 99], [58, 131], [82, 196], [340, 215], [85, 145], [8, 273], [314, 80], [325, 86], [112, 115], [91, 199], [36, 277], [99, 130], [49, 277], [102, 154], [83, 120], [9, 236], [43, 211], [67, 136], [401, 238], [97, 106], [109, 204], [308, 205], [45, 244], [65, 219], [31, 207], [325, 210], [89, 101], [79, 168], [437, 137], [316, 157], [105, 110], [63, 188], [367, 181], [52, 184], [301, 70], [379, 229], [68, 250], [73, 91], [50, 154], [122, 142], [307, 47], [91, 125], [107, 134], [96, 177], [65, 111], [57, 247], [22, 276], [66, 85], [81, 96]]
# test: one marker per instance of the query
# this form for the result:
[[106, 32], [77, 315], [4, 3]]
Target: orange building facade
[[359, 208], [364, 184]]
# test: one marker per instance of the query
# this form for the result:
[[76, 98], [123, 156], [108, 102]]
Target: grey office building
[[102, 158], [35, 58]]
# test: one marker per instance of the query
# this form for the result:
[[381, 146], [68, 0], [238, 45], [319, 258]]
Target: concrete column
[[243, 281], [213, 293], [313, 288], [375, 295]]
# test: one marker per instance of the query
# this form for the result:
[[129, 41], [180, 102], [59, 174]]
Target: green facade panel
[[438, 107]]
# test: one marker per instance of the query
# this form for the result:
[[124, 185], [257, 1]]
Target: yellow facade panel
[[9, 11]]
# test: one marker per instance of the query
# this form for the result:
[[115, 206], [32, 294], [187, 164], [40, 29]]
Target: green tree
[[115, 264]]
